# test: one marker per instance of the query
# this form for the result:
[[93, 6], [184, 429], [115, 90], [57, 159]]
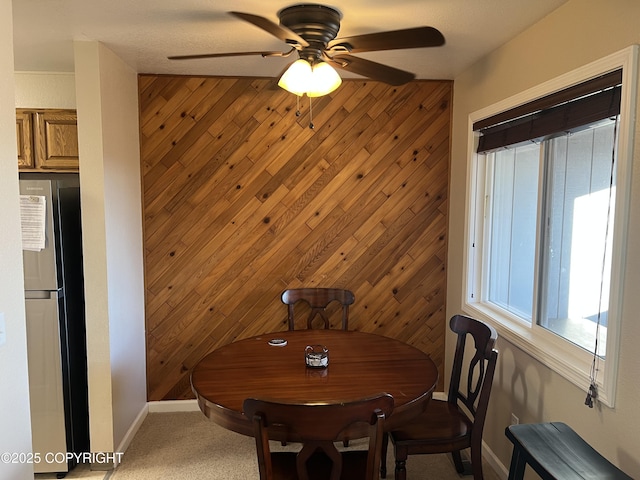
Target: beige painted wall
[[123, 220], [89, 103], [45, 90], [15, 419], [106, 95], [563, 41]]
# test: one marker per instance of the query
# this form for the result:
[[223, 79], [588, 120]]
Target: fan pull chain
[[297, 106], [311, 126]]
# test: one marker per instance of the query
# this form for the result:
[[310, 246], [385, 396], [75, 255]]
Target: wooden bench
[[555, 451]]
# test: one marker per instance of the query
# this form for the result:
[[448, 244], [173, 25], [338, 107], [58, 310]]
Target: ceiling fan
[[311, 30]]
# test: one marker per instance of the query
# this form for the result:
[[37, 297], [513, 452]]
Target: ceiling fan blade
[[393, 40], [373, 70], [278, 31], [230, 54]]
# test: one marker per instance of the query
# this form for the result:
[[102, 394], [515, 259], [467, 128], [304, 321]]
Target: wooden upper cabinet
[[56, 140], [24, 132], [54, 144]]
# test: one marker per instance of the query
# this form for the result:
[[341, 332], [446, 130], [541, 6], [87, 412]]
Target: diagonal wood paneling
[[242, 200]]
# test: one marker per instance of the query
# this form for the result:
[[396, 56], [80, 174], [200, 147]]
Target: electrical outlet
[[514, 420], [3, 330]]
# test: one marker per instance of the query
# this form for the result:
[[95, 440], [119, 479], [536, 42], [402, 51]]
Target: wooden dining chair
[[444, 426], [317, 426], [318, 300]]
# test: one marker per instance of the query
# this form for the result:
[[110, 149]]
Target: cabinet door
[[56, 144], [24, 133]]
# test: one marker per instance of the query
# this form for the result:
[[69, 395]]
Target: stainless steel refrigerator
[[54, 299]]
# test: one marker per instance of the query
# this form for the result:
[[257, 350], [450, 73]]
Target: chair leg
[[383, 455], [518, 465], [401, 463], [476, 463], [457, 461]]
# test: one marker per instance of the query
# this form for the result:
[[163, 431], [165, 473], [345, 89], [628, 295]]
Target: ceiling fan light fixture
[[297, 78], [324, 80], [316, 81]]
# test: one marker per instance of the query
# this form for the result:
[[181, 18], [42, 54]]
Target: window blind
[[567, 110]]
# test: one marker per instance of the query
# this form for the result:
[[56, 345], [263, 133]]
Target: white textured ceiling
[[144, 32]]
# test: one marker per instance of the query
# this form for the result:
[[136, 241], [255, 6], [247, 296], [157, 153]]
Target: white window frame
[[568, 360]]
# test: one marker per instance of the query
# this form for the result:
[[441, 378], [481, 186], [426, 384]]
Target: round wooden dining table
[[360, 365]]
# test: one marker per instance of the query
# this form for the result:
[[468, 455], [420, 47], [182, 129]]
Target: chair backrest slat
[[318, 300], [474, 394]]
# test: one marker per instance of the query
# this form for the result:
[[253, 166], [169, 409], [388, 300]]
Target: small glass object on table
[[316, 356]]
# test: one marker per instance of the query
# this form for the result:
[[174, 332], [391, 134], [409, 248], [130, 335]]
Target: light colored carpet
[[188, 446]]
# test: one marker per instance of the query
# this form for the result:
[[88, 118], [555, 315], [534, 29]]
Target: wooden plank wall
[[243, 200]]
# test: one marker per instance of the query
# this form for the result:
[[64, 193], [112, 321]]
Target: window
[[574, 208], [547, 209], [579, 216]]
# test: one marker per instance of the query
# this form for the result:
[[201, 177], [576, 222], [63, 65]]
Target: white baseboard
[[174, 406], [153, 407], [131, 432], [494, 462], [440, 396]]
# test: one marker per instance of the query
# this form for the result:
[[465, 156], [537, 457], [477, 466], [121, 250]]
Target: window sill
[[567, 360]]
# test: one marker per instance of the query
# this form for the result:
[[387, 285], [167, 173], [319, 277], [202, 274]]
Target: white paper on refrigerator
[[32, 217]]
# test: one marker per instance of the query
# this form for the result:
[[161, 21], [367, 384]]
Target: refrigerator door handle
[[43, 294]]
